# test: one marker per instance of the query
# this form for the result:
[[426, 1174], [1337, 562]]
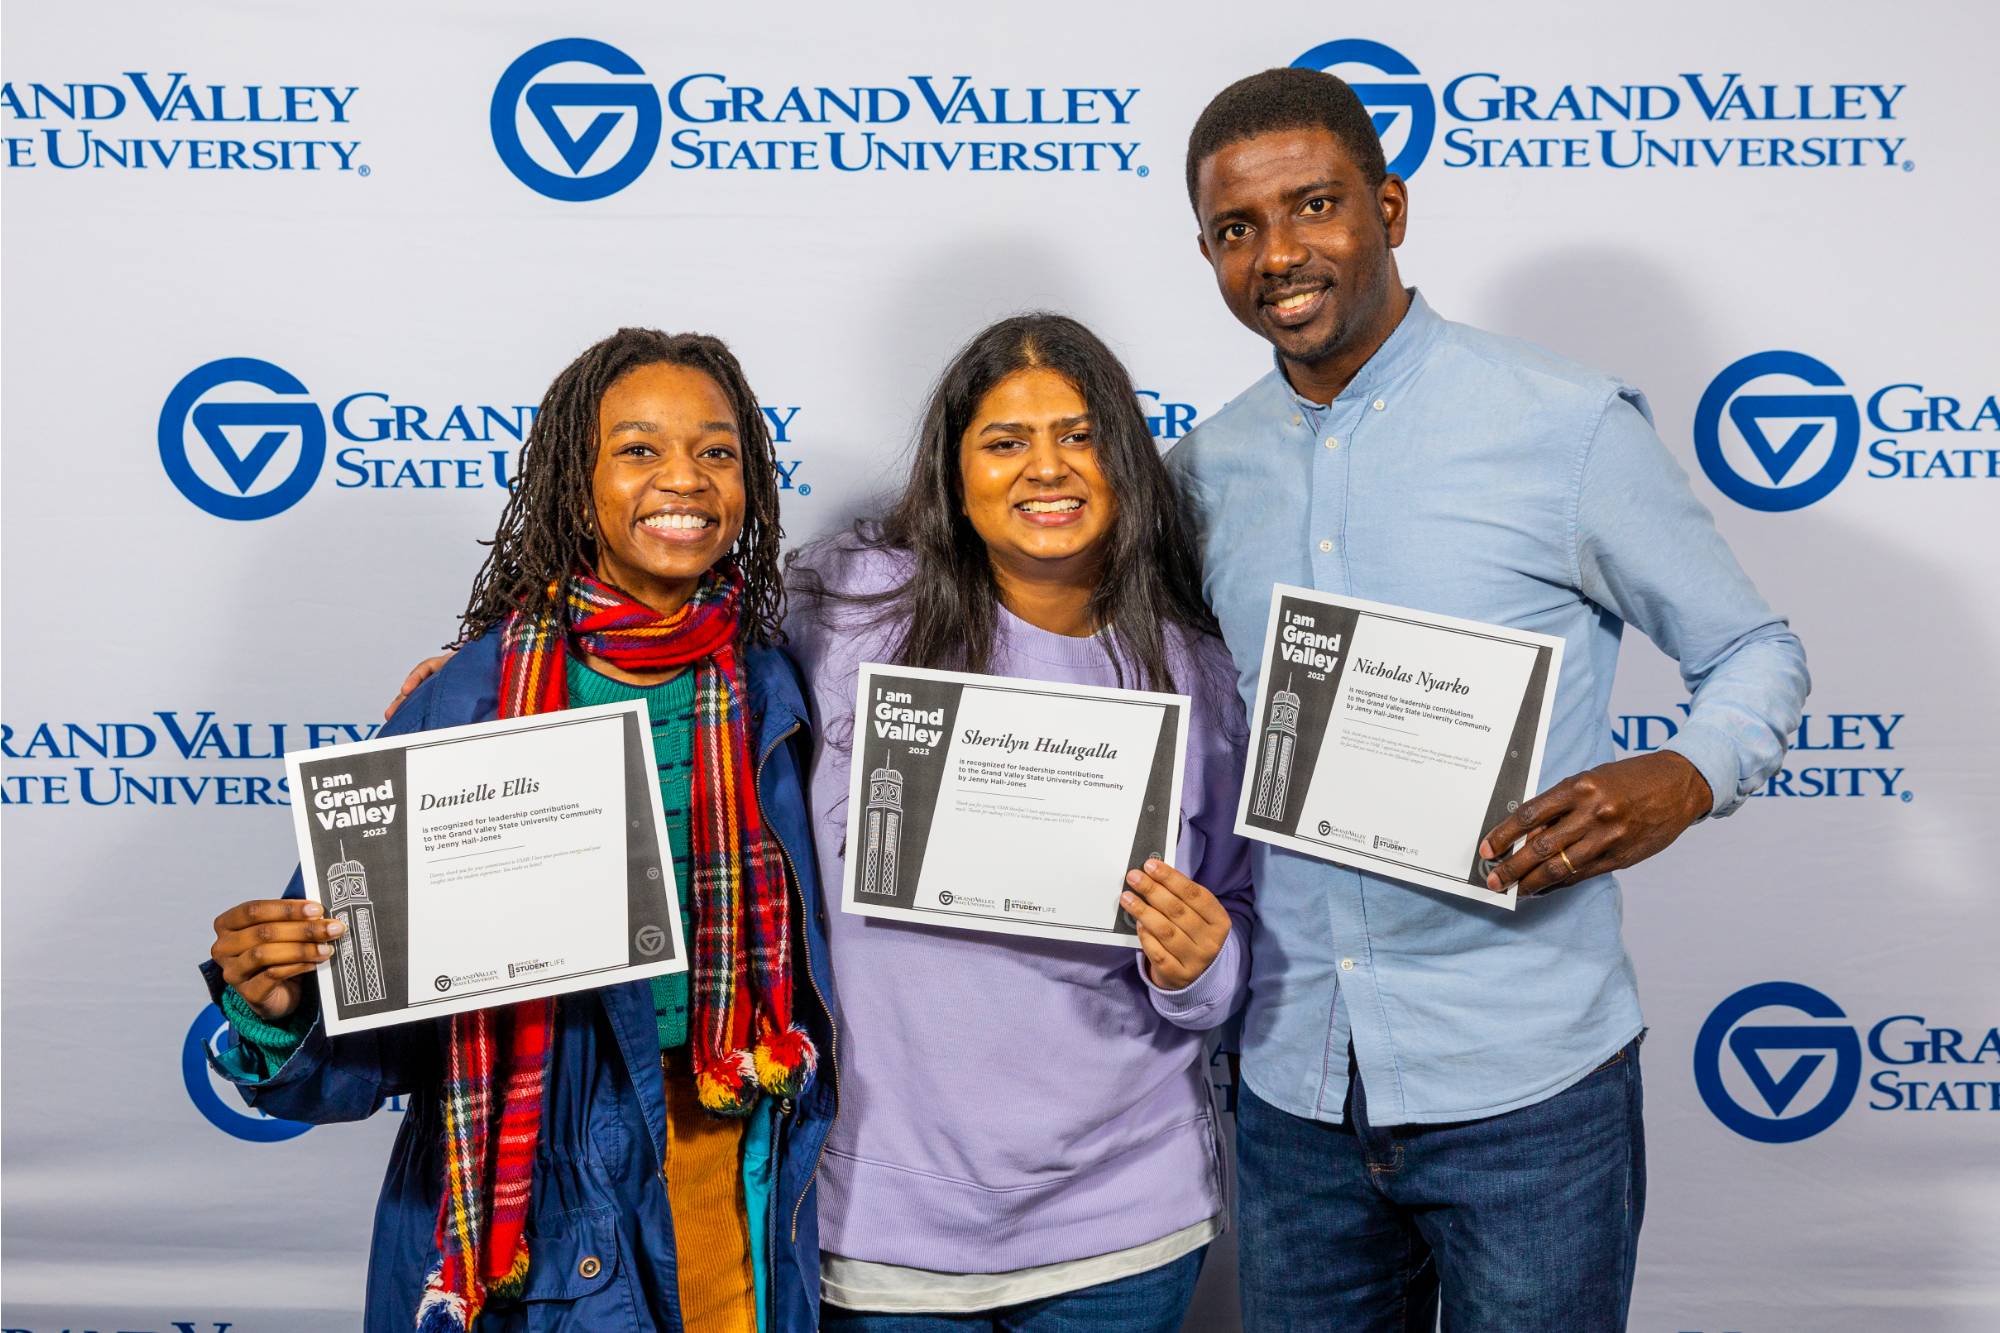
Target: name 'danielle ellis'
[[339, 804]]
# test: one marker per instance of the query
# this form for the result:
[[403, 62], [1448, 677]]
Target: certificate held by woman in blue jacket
[[482, 865]]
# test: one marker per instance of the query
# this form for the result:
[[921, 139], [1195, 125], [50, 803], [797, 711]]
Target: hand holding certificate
[[480, 865], [986, 803], [1391, 740]]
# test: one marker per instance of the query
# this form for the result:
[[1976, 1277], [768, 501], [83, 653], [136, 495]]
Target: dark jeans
[[1519, 1223], [1151, 1302]]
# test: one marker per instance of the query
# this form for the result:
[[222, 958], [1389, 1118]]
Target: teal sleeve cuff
[[261, 1046]]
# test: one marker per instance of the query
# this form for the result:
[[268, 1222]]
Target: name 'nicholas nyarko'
[[1402, 675], [1012, 744]]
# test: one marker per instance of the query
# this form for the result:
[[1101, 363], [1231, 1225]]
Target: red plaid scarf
[[740, 968]]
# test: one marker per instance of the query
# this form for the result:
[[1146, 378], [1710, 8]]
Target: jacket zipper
[[805, 934]]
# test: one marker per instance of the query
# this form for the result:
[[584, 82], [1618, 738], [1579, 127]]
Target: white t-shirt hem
[[856, 1284]]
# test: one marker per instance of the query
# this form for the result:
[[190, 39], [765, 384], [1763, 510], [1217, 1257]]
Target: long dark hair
[[949, 604], [544, 532]]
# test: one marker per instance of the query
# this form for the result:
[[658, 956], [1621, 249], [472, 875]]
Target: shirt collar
[[1399, 354]]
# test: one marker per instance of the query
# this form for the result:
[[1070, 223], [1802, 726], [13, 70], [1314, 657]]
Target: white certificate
[[477, 866], [1391, 740], [988, 803]]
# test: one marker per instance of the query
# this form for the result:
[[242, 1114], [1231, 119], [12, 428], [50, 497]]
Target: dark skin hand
[[265, 948], [1605, 819]]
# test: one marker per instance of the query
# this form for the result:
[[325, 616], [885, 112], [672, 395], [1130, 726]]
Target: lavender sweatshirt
[[1010, 1102]]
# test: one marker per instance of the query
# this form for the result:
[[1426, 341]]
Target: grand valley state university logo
[[1797, 1068], [578, 120], [233, 466], [1779, 430], [1483, 119], [1777, 1061], [1754, 446], [243, 439]]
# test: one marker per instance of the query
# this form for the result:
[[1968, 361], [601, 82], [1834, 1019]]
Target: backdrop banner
[[284, 284]]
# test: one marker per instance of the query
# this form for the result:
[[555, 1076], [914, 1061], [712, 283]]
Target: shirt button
[[1347, 964], [1297, 420], [1378, 404], [1326, 545], [1332, 443], [588, 1267]]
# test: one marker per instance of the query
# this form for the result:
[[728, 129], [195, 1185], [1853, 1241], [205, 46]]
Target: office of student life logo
[[1777, 1082], [579, 138], [244, 438], [1408, 99], [1778, 432]]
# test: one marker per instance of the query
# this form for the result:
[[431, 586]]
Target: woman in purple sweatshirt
[[1025, 1137]]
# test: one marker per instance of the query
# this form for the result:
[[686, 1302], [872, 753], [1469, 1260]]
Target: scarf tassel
[[786, 1060], [440, 1311], [726, 1085]]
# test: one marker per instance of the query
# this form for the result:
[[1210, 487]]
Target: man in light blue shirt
[[1442, 1099]]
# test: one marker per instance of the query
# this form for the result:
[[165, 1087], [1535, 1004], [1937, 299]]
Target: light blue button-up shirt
[[1476, 476]]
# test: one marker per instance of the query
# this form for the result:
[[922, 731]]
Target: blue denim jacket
[[597, 1189]]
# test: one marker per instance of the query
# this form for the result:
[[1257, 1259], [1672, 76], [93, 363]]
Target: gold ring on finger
[[1563, 852]]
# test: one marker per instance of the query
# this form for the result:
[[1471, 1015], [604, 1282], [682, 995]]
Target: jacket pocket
[[570, 1276]]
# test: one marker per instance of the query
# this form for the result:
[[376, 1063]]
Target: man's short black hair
[[1286, 99]]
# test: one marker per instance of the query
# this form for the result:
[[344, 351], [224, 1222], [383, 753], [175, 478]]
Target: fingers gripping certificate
[[1391, 740], [987, 803], [477, 866]]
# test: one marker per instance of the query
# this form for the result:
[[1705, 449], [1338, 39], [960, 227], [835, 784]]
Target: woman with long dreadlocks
[[641, 1156]]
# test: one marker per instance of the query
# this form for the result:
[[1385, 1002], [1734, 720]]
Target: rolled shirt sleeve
[[1648, 551]]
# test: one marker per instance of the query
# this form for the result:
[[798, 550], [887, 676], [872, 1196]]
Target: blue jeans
[[1518, 1223], [1151, 1302]]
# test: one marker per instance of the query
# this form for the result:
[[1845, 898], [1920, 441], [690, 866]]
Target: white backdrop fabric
[[282, 284]]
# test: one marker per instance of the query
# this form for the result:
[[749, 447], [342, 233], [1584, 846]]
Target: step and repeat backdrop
[[283, 284]]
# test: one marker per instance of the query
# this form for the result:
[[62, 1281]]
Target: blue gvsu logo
[[577, 119], [1688, 121], [610, 122], [1779, 430], [243, 439], [255, 456], [1797, 1069], [1752, 1075]]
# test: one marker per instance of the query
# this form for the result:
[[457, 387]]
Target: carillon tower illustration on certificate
[[885, 829], [356, 959], [1281, 739]]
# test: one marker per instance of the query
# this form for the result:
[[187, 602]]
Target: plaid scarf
[[741, 1032]]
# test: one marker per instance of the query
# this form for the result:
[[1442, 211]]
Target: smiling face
[[668, 484], [1030, 473], [1301, 248]]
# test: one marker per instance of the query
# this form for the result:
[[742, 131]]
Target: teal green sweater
[[672, 709]]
